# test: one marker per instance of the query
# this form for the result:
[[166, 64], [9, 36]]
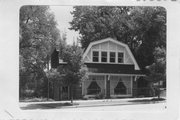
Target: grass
[[148, 100], [35, 100], [47, 105]]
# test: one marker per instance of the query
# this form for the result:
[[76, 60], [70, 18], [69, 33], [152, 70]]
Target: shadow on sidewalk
[[47, 106]]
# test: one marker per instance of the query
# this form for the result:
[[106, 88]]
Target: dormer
[[109, 51]]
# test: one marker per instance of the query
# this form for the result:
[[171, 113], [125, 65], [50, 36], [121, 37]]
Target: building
[[112, 69]]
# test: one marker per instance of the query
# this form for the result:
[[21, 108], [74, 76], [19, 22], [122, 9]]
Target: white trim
[[115, 74], [111, 63], [130, 53], [123, 57], [127, 95], [105, 80], [88, 58], [106, 56], [98, 55], [131, 84], [117, 42], [114, 58], [112, 96], [91, 55]]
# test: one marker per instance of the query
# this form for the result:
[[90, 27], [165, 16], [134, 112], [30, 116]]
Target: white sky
[[63, 17]]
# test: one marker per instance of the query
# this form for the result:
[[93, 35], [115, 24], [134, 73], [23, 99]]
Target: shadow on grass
[[47, 106], [153, 100]]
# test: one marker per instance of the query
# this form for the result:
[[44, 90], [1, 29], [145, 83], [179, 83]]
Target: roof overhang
[[113, 68], [114, 41]]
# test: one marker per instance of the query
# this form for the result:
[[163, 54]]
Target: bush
[[99, 96]]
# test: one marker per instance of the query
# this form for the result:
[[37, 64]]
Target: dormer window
[[103, 56], [120, 57], [112, 57], [95, 56]]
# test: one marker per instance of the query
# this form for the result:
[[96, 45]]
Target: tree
[[141, 28], [38, 33], [157, 71], [75, 70]]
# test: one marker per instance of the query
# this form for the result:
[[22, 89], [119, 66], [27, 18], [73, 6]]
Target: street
[[135, 107]]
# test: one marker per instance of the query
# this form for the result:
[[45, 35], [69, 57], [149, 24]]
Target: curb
[[110, 104]]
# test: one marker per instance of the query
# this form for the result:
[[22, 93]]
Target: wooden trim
[[127, 95], [117, 42], [115, 74], [131, 84]]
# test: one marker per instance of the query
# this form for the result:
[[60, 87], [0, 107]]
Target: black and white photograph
[[89, 60], [92, 57]]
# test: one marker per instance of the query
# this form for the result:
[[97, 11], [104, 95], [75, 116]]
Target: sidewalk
[[87, 103]]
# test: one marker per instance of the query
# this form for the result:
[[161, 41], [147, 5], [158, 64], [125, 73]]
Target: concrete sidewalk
[[87, 103]]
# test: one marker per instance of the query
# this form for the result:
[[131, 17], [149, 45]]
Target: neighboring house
[[112, 70]]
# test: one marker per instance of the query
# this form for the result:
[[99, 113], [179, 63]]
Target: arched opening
[[93, 88]]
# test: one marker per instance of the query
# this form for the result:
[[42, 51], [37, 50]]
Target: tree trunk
[[71, 89], [48, 89], [158, 90]]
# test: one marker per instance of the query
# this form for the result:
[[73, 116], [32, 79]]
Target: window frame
[[111, 57], [95, 56], [104, 57], [120, 57]]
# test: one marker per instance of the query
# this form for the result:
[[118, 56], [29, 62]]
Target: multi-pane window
[[93, 88], [103, 56], [95, 56], [120, 88], [120, 57], [112, 57]]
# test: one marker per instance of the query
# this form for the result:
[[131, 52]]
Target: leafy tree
[[157, 71], [97, 22], [38, 33], [75, 70], [149, 24], [142, 28]]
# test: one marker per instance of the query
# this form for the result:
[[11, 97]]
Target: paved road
[[73, 112], [92, 104], [135, 107]]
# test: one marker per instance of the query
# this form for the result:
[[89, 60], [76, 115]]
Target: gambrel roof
[[116, 42]]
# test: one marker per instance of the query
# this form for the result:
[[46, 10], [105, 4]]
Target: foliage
[[142, 28], [75, 70], [157, 71], [38, 33]]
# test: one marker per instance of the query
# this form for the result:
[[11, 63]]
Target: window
[[103, 56], [120, 88], [95, 56], [93, 88], [112, 56], [120, 57]]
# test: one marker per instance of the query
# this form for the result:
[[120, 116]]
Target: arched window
[[93, 88], [120, 88]]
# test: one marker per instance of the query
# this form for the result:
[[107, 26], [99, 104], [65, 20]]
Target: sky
[[63, 17]]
